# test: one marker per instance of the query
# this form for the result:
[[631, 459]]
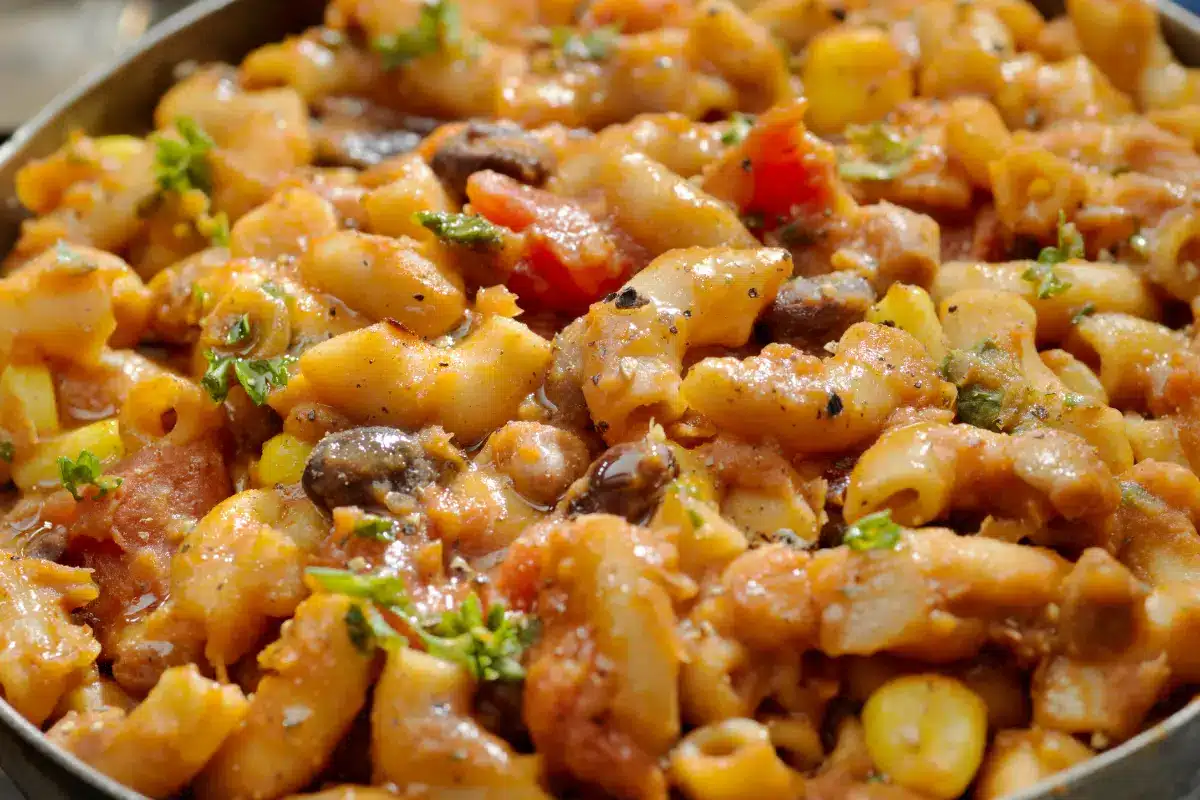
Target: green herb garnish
[[239, 331], [980, 406], [180, 166], [370, 526], [467, 230], [7, 451], [489, 647], [873, 532], [1069, 246], [888, 154], [438, 28], [86, 470], [386, 590], [1086, 310], [739, 128], [257, 377]]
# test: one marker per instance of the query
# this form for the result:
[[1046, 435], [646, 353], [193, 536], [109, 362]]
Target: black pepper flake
[[890, 323], [834, 406], [673, 330], [629, 298], [687, 314], [752, 292], [602, 426], [747, 165], [443, 363], [595, 380], [838, 13], [332, 312], [951, 309], [419, 298]]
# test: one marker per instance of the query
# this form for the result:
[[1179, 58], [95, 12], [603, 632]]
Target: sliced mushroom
[[499, 146], [810, 311], [362, 466], [627, 480]]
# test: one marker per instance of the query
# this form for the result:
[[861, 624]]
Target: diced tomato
[[780, 171], [570, 258]]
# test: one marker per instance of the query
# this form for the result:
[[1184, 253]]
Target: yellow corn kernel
[[40, 469], [911, 310], [119, 148], [927, 733], [853, 75], [283, 460], [27, 401]]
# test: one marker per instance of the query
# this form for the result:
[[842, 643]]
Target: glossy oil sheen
[[1162, 763]]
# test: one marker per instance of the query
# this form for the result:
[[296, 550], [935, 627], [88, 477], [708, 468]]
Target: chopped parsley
[[739, 128], [468, 230], [86, 470], [386, 590], [199, 296], [7, 451], [239, 331], [367, 628], [489, 647], [1086, 310], [594, 45], [370, 526], [695, 518], [873, 532], [180, 166], [980, 406], [888, 154], [257, 377], [1069, 246], [438, 28]]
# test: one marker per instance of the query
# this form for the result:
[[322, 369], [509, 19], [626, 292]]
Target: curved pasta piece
[[158, 747], [167, 409], [1005, 385], [381, 277], [601, 694], [660, 210], [242, 566], [634, 343], [923, 471], [1094, 285], [422, 699], [44, 653], [786, 395], [731, 759], [929, 598], [469, 389], [69, 303], [283, 226], [315, 684], [1127, 349]]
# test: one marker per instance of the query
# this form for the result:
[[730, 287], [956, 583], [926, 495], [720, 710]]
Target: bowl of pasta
[[633, 399]]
